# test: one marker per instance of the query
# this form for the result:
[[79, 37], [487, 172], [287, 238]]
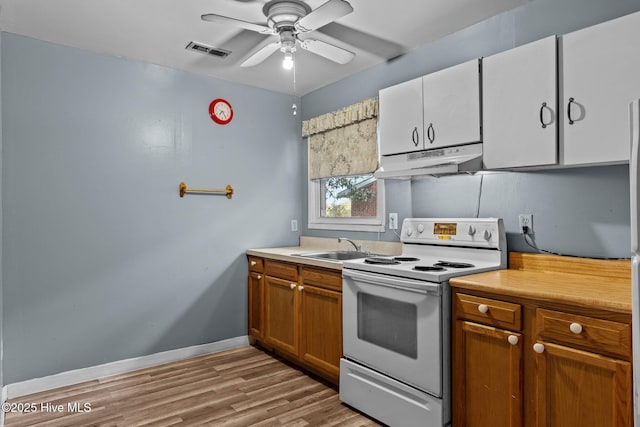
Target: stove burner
[[451, 264], [376, 260], [406, 258], [428, 268]]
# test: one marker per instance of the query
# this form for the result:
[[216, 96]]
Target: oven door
[[394, 326]]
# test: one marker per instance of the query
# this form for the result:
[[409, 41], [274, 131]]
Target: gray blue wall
[[102, 260], [581, 212]]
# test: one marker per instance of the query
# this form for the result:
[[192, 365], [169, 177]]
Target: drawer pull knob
[[538, 348], [513, 340], [483, 308], [292, 286], [253, 263], [576, 328], [300, 288], [259, 276]]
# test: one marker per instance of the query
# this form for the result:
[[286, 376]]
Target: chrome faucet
[[340, 239]]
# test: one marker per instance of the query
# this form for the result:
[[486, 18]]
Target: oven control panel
[[475, 232]]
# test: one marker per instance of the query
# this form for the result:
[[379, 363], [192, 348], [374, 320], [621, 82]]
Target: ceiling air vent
[[208, 50]]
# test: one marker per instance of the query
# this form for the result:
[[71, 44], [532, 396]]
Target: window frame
[[317, 221]]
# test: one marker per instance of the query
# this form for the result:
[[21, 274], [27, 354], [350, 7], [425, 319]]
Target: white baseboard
[[36, 385]]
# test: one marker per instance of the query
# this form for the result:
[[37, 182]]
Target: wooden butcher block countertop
[[586, 282]]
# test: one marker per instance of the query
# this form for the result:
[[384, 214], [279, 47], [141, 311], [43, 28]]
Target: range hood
[[439, 161]]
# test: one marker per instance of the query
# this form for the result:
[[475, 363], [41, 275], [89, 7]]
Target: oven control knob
[[420, 228], [471, 230], [409, 231], [487, 235]]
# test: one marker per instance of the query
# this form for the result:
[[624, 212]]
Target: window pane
[[348, 197]]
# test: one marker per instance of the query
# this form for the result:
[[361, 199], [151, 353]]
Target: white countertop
[[319, 244]]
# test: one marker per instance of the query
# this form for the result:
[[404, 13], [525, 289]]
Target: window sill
[[346, 226]]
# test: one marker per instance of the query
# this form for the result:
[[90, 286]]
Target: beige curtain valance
[[343, 142], [355, 113]]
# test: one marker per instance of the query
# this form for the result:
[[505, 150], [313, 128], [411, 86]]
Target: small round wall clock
[[221, 111]]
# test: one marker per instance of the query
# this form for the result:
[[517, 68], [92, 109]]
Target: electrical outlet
[[393, 221], [526, 223], [294, 225]]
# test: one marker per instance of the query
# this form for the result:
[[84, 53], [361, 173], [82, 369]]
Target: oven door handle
[[396, 283]]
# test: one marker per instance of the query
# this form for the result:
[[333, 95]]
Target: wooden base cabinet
[[488, 376], [519, 362], [281, 314], [302, 318], [579, 388], [256, 296], [321, 333]]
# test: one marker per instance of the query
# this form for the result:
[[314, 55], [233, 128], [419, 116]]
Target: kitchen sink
[[335, 255]]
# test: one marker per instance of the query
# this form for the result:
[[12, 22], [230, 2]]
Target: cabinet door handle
[[431, 133], [513, 340], [300, 288], [292, 286], [253, 263], [538, 348], [571, 101], [259, 277], [542, 108], [415, 136], [576, 328], [483, 308]]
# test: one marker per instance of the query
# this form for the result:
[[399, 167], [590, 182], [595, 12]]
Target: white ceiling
[[157, 31]]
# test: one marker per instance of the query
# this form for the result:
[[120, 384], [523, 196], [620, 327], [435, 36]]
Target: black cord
[[534, 246], [479, 195]]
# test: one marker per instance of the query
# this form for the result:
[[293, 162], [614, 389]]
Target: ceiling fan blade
[[261, 54], [321, 16], [211, 17], [375, 45], [329, 51]]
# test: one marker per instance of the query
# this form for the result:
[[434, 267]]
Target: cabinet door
[[600, 67], [281, 309], [487, 376], [321, 328], [256, 305], [451, 102], [519, 106], [581, 389], [401, 118]]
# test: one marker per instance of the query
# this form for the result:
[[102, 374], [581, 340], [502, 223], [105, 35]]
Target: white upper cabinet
[[400, 124], [519, 106], [451, 100], [600, 70]]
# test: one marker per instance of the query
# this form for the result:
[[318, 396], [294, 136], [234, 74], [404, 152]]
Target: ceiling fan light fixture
[[287, 62]]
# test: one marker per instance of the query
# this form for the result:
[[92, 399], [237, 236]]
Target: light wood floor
[[240, 387]]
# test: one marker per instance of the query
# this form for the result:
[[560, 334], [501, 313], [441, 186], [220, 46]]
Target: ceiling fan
[[286, 21]]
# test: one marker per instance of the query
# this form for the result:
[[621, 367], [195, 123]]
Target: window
[[343, 155], [347, 203]]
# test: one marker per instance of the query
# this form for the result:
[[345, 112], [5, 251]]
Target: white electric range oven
[[396, 315]]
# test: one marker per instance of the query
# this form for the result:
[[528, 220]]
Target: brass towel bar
[[228, 191]]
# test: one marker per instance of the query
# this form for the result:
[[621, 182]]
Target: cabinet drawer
[[281, 270], [256, 264], [489, 311], [323, 278], [601, 336]]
